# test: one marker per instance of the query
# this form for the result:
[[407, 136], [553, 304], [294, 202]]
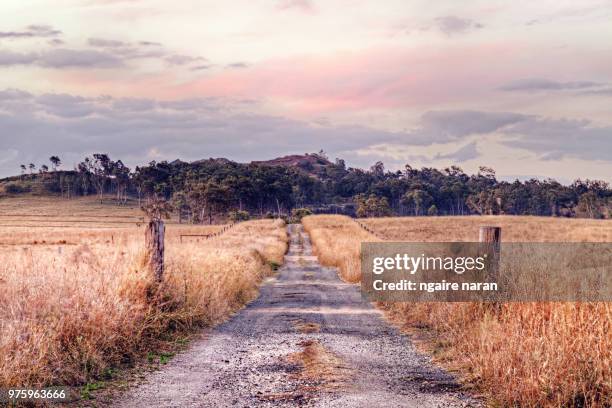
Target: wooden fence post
[[491, 236], [490, 239], [154, 242]]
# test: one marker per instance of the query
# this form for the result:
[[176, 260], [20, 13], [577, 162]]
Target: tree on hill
[[121, 179], [84, 170], [101, 168], [55, 162]]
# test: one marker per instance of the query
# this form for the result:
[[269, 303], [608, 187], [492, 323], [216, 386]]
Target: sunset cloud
[[541, 84], [451, 25], [302, 5], [31, 31]]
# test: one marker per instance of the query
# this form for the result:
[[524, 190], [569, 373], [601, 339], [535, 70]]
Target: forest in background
[[205, 190]]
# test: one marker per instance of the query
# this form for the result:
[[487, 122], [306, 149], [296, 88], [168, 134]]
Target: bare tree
[[121, 174], [85, 173], [101, 166]]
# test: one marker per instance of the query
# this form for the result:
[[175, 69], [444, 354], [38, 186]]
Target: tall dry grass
[[337, 241], [519, 354], [68, 315], [514, 228]]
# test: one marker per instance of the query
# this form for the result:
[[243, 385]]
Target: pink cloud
[[378, 78], [375, 79], [303, 5], [117, 84]]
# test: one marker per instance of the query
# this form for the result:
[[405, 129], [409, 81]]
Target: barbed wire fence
[[367, 229]]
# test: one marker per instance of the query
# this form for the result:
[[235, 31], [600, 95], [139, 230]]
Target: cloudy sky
[[522, 86]]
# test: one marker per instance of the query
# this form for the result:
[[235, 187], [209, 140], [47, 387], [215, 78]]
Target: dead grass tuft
[[306, 327], [319, 364]]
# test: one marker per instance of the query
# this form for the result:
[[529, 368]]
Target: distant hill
[[217, 186]]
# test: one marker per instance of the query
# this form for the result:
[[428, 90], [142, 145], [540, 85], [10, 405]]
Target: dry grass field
[[75, 297], [518, 354], [44, 221], [514, 228]]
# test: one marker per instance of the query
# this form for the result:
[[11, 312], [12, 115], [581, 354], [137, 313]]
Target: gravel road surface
[[308, 340]]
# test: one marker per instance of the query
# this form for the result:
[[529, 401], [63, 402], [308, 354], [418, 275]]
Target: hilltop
[[312, 163]]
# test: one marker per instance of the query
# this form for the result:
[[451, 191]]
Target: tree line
[[203, 190]]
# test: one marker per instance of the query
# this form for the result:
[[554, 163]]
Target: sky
[[524, 87]]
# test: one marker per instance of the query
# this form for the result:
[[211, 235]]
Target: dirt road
[[308, 340]]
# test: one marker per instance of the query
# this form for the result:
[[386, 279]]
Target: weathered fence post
[[154, 242], [490, 239], [490, 235]]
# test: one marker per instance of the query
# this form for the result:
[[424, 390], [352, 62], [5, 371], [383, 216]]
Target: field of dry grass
[[514, 228], [44, 221], [76, 301], [337, 241], [519, 354], [39, 213]]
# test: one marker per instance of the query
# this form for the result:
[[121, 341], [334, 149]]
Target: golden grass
[[78, 208], [56, 222], [69, 312], [79, 213], [336, 240], [519, 354], [514, 228], [67, 236]]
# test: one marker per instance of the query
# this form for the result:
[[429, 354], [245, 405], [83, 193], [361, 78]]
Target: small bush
[[239, 215], [298, 213], [433, 210]]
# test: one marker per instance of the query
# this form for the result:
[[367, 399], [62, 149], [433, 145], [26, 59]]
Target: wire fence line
[[64, 226], [77, 221], [136, 217], [367, 229], [209, 236], [110, 238]]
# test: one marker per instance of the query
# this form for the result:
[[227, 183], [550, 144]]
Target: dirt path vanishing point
[[308, 340]]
